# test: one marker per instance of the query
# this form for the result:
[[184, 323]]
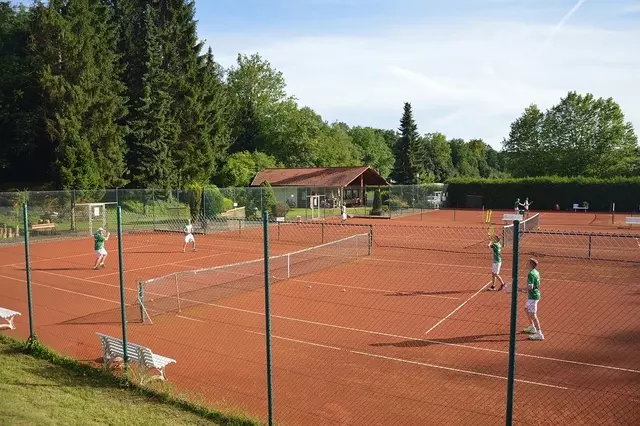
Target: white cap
[[100, 229]]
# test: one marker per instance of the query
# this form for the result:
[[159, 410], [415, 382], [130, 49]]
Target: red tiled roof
[[322, 176]]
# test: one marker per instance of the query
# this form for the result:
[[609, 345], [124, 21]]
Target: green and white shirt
[[497, 252], [533, 280], [99, 241], [188, 229]]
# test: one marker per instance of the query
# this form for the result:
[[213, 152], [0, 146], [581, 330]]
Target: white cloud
[[465, 79]]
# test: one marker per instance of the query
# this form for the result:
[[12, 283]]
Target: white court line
[[62, 289], [448, 265], [189, 318], [297, 341], [407, 361], [67, 257], [456, 309], [433, 342], [177, 263], [378, 333], [368, 289]]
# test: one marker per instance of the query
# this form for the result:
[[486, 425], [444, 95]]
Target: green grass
[[37, 386]]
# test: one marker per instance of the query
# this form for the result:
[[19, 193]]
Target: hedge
[[547, 192]]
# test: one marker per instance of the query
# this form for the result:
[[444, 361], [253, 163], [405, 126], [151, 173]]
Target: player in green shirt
[[496, 247], [101, 253], [533, 297]]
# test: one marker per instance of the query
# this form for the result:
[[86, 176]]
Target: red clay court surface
[[405, 336]]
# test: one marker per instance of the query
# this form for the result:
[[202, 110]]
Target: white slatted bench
[[632, 220], [579, 207], [8, 315], [112, 347]]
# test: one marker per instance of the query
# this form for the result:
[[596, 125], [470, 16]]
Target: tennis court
[[405, 334]]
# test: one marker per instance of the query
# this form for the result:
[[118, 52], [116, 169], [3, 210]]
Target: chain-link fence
[[370, 321]]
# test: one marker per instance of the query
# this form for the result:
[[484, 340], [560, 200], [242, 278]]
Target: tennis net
[[180, 290], [525, 226]]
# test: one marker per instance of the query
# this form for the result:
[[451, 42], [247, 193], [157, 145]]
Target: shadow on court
[[419, 343], [430, 293], [84, 268], [111, 316]]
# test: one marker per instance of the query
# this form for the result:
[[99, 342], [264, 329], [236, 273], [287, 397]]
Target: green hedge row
[[547, 192]]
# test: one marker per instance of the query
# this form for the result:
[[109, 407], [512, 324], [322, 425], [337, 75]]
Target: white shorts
[[101, 252], [344, 216], [189, 239], [495, 268], [532, 306]]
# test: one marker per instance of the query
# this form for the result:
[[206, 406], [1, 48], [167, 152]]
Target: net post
[[123, 312], [239, 226], [27, 264], [590, 242], [278, 227], [288, 266], [514, 323], [370, 239], [267, 312], [322, 234], [141, 300]]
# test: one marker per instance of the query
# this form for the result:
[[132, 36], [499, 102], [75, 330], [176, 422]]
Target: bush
[[214, 202], [547, 191], [132, 206], [280, 209]]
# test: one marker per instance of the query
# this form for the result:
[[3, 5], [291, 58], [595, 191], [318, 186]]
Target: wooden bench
[[577, 207], [632, 220], [112, 348], [43, 226], [8, 315]]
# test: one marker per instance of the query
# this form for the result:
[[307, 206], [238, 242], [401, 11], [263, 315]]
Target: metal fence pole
[[123, 311], [267, 312], [514, 323], [27, 263]]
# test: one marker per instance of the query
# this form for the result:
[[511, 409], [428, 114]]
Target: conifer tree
[[408, 150], [153, 130]]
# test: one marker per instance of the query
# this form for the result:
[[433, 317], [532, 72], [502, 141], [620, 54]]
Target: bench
[[112, 348], [579, 207], [631, 220], [43, 226], [8, 315]]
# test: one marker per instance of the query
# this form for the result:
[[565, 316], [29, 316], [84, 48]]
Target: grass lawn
[[34, 391]]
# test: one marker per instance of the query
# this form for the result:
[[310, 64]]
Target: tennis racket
[[491, 232]]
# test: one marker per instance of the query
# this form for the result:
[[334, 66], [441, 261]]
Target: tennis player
[[101, 253], [533, 297], [526, 205], [188, 236], [343, 213], [497, 263], [517, 206]]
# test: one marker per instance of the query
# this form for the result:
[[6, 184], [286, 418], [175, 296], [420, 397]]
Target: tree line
[[105, 93]]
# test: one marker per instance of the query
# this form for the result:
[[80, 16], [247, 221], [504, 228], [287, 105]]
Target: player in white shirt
[[188, 236]]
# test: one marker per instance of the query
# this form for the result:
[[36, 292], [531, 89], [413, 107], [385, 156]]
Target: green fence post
[[267, 311], [514, 323], [27, 263], [123, 311]]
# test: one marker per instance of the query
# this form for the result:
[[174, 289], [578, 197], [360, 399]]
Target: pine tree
[[59, 36], [216, 108], [153, 131], [104, 122], [75, 43], [408, 150]]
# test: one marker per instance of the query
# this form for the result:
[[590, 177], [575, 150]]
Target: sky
[[468, 67]]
